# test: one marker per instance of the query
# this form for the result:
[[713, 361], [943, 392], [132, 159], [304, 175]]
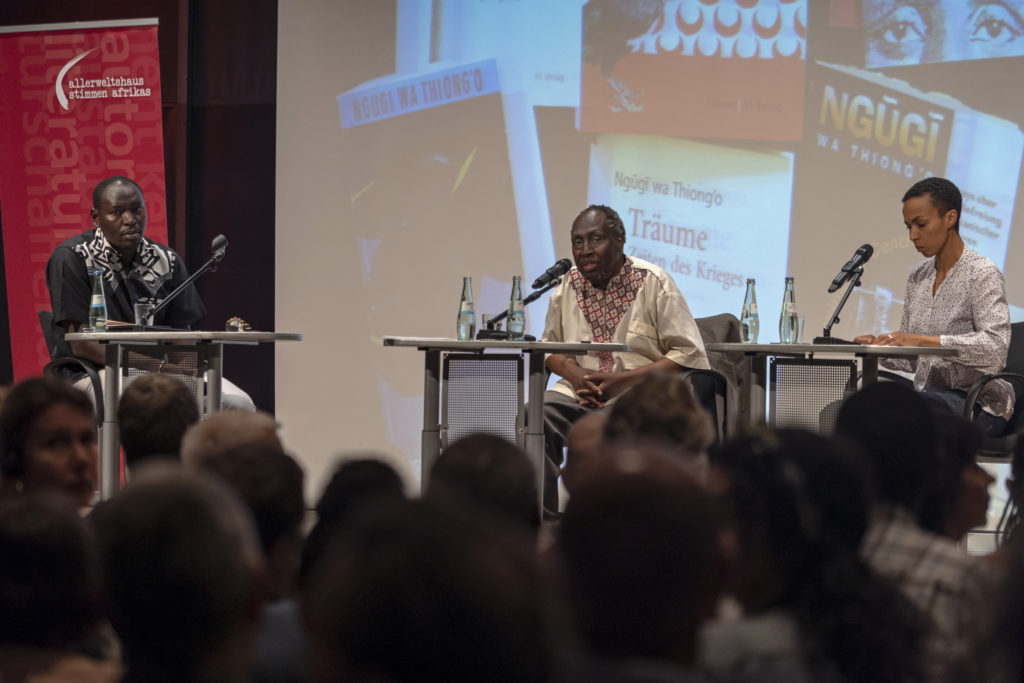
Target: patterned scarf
[[604, 309], [151, 266]]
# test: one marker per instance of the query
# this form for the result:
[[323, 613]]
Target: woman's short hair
[[28, 400]]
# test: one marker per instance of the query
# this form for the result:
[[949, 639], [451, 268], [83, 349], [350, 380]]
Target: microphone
[[860, 257], [219, 245], [557, 270]]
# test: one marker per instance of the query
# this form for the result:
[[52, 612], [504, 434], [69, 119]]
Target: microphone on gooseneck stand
[[558, 270], [860, 257], [219, 246], [850, 272], [546, 282]]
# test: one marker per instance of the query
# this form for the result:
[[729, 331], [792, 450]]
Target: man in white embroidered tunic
[[956, 299], [611, 297]]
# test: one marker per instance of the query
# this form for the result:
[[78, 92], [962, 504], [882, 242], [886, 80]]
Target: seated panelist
[[611, 297], [955, 299], [133, 267]]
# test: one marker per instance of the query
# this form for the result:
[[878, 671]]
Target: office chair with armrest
[[1000, 448], [717, 389], [64, 364]]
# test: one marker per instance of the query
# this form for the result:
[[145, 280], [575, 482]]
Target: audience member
[[662, 409], [183, 576], [152, 416], [956, 499], [224, 430], [417, 591], [893, 428], [639, 544], [490, 474], [49, 593], [48, 439], [997, 655], [812, 609], [270, 483], [355, 483]]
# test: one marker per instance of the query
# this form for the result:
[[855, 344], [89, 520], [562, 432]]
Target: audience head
[[491, 474], [48, 439], [639, 543], [417, 591], [799, 507], [794, 498], [154, 412], [182, 572], [893, 428], [584, 442], [956, 500], [225, 430], [661, 408], [270, 483], [49, 580], [356, 483]]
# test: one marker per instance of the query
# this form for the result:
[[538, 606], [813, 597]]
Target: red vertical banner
[[78, 103]]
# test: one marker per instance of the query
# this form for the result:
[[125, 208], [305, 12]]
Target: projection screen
[[420, 141]]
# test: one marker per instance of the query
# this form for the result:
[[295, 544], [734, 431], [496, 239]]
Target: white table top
[[183, 336], [443, 344], [850, 349]]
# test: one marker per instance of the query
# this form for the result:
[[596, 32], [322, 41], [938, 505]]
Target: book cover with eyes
[[901, 32], [875, 136], [730, 69]]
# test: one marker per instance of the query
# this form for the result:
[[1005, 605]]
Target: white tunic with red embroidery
[[641, 306]]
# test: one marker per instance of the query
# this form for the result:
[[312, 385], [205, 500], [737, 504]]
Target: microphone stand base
[[832, 340]]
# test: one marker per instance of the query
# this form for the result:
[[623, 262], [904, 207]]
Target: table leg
[[758, 384], [430, 440], [110, 439], [534, 443], [214, 374], [869, 370]]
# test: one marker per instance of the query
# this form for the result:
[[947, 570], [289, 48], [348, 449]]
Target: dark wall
[[218, 68], [230, 172]]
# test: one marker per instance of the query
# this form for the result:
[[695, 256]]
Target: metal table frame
[[430, 442], [210, 349], [757, 382]]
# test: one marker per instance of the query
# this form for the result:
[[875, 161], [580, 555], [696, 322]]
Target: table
[[757, 380], [210, 352], [430, 443]]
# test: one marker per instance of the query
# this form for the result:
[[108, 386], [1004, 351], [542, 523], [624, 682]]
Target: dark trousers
[[955, 401]]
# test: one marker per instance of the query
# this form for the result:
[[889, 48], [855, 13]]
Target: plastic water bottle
[[465, 327], [97, 304], [789, 322], [750, 325], [516, 316]]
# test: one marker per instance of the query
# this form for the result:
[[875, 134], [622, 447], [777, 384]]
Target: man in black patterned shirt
[[133, 267]]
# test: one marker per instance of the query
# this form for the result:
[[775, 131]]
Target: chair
[[717, 389], [1000, 448], [64, 364]]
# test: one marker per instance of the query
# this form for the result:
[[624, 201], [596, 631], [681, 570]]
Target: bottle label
[[789, 308], [752, 309], [466, 307], [97, 300], [517, 307]]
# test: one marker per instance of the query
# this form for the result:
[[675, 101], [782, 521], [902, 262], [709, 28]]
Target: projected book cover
[[710, 215], [730, 69], [875, 137], [405, 167]]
